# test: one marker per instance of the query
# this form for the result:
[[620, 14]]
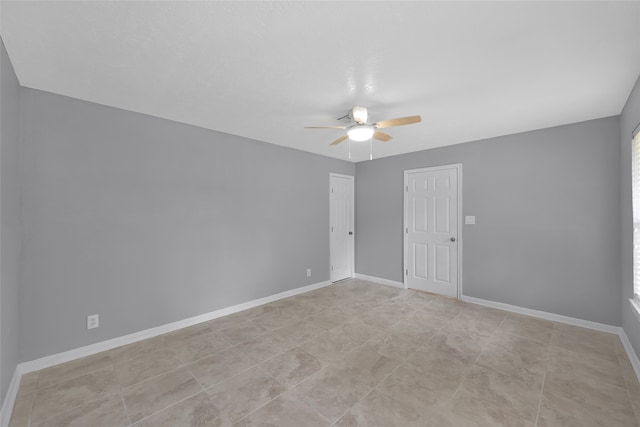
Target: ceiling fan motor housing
[[359, 114]]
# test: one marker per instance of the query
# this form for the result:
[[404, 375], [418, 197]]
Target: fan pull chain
[[349, 149], [371, 149]]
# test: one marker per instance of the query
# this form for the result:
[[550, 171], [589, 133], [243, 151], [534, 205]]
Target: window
[[635, 157]]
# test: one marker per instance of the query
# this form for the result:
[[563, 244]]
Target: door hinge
[[332, 229], [406, 188], [406, 230], [332, 268], [332, 189], [406, 272]]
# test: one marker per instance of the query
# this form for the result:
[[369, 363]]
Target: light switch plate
[[469, 219]]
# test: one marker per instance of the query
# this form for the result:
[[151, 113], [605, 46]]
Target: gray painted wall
[[547, 209], [629, 119], [10, 221], [147, 221]]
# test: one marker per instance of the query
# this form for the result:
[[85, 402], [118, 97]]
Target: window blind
[[635, 156]]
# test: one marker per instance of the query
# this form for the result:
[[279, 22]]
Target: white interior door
[[431, 229], [341, 227]]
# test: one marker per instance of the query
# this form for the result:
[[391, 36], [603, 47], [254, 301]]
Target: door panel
[[431, 221], [341, 201], [420, 215], [442, 262], [442, 223]]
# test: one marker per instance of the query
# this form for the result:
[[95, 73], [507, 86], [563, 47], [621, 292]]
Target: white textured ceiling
[[263, 70]]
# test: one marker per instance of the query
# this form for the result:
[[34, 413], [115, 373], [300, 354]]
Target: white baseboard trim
[[56, 359], [543, 315], [379, 280], [10, 398], [45, 362], [633, 357]]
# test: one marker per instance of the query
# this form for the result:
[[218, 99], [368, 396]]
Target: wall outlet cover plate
[[93, 321]]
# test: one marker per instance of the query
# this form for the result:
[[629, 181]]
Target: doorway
[[341, 227], [432, 229]]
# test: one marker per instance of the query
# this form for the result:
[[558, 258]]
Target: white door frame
[[405, 243], [353, 209]]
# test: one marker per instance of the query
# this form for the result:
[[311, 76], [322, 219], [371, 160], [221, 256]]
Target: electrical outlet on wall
[[93, 321], [308, 272]]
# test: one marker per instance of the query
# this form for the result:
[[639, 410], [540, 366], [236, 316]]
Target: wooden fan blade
[[397, 122], [381, 136], [339, 140], [325, 127]]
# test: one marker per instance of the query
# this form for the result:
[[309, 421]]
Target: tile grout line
[[544, 377], [384, 379], [471, 365], [173, 404], [185, 364], [93, 371], [166, 407], [155, 376], [124, 403], [126, 408], [637, 415], [401, 364], [33, 402], [37, 389], [352, 406], [240, 372], [196, 379], [285, 391], [545, 360], [329, 365], [633, 409], [35, 394], [129, 359]]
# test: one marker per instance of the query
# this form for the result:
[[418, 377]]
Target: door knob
[[453, 239]]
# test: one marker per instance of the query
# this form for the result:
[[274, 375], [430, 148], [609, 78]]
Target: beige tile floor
[[352, 354]]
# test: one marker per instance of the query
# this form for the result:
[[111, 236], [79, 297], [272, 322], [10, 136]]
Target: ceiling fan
[[361, 130]]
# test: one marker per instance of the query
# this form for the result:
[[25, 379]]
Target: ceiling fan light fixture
[[360, 133]]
